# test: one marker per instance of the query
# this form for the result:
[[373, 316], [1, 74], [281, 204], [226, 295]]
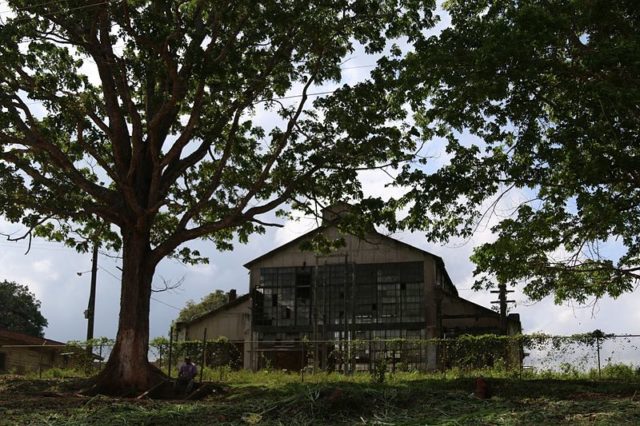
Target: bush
[[619, 371], [379, 371], [569, 370]]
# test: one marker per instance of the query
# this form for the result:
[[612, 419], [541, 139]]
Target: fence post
[[598, 350], [302, 361], [100, 355], [204, 353], [170, 353]]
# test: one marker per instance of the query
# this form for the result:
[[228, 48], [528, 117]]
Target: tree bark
[[128, 370]]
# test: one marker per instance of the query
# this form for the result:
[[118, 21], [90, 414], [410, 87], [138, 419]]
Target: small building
[[21, 353], [231, 320]]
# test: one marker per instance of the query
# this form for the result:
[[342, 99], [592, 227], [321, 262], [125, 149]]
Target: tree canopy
[[20, 310], [141, 124], [540, 100]]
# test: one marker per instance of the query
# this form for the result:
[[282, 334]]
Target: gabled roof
[[25, 339], [238, 301], [322, 228], [291, 243]]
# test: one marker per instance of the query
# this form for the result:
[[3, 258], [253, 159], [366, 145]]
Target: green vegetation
[[275, 398], [20, 310], [539, 99], [208, 303], [145, 125]]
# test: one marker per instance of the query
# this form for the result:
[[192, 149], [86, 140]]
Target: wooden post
[[353, 316], [345, 331], [598, 349], [204, 353], [170, 352], [314, 316], [502, 302], [302, 361], [91, 308]]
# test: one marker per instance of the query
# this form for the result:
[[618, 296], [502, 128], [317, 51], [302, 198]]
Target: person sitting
[[187, 375]]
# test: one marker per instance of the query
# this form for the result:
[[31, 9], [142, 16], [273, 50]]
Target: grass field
[[282, 399]]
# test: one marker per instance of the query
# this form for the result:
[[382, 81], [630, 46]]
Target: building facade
[[232, 320], [373, 289], [341, 310]]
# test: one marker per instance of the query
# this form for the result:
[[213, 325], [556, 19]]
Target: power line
[[152, 298], [20, 9], [166, 304], [37, 247], [63, 11], [358, 66], [261, 100], [297, 96]]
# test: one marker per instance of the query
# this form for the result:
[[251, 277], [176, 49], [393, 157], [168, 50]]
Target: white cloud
[[294, 228], [203, 269]]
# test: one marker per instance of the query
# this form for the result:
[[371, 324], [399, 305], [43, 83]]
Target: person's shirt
[[188, 370]]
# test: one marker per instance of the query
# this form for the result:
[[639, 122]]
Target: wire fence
[[594, 354]]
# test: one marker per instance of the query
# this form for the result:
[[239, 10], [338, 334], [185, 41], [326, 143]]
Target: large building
[[306, 307], [372, 289]]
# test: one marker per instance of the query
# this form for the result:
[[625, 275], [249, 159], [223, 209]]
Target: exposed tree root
[[112, 382]]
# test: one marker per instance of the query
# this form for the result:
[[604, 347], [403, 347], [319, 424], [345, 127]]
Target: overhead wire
[[22, 9], [152, 298], [87, 6]]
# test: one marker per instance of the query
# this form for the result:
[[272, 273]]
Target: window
[[340, 293], [3, 361]]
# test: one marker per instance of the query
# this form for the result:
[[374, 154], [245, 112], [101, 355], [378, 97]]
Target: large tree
[[539, 103], [132, 122], [20, 310]]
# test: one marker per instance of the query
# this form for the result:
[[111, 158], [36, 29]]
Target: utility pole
[[90, 312], [502, 301]]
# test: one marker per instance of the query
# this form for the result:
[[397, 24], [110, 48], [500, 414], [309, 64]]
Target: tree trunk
[[128, 370]]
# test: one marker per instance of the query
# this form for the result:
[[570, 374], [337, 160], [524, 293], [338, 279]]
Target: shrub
[[618, 371], [379, 370]]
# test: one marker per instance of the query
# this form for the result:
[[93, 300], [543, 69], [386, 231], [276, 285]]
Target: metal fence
[[596, 354]]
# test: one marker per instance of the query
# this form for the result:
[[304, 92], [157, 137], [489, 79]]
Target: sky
[[59, 278]]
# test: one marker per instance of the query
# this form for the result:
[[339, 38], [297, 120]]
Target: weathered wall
[[463, 315], [24, 360], [231, 323], [443, 308], [370, 250]]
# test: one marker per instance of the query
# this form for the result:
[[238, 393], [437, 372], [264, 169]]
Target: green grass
[[276, 398]]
